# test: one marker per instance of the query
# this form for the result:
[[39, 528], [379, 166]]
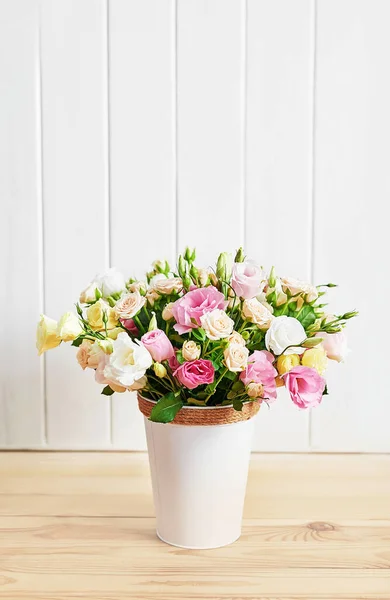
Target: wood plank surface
[[82, 526]]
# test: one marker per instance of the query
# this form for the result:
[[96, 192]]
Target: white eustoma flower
[[128, 362], [283, 332], [69, 327], [217, 324], [110, 282]]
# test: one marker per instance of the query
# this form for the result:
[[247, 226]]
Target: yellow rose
[[159, 370], [316, 359], [47, 336], [69, 327], [95, 316], [286, 362], [113, 333]]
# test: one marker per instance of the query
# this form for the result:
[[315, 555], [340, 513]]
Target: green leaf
[[166, 409], [237, 386], [231, 395], [107, 391], [231, 375], [77, 342], [325, 392], [199, 334], [306, 316], [237, 404], [180, 358]]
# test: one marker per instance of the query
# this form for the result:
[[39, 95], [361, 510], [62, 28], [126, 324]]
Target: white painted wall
[[128, 126]]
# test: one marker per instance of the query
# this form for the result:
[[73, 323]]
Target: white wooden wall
[[130, 128]]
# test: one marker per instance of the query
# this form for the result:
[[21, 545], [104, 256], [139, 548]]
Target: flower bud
[[254, 390], [224, 266], [240, 257], [153, 323], [272, 278], [159, 370], [167, 313], [194, 273], [189, 254], [311, 342]]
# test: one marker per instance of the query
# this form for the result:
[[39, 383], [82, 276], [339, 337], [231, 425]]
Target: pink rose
[[261, 370], [158, 345], [193, 305], [173, 362], [335, 345], [248, 279], [305, 385], [194, 373], [130, 326]]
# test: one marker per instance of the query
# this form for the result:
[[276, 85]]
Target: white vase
[[199, 476]]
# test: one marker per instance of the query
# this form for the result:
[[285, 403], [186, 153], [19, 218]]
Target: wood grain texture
[[316, 528]]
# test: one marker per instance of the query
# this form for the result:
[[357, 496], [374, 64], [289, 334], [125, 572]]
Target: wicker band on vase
[[216, 415]]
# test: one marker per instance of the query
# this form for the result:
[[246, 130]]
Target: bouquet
[[203, 337]]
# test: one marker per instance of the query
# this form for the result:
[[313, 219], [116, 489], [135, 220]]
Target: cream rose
[[129, 305], [217, 324], [296, 286], [47, 336], [236, 357], [82, 354], [95, 316], [69, 327], [168, 286], [190, 350], [284, 332], [152, 296], [137, 286], [257, 313], [236, 338]]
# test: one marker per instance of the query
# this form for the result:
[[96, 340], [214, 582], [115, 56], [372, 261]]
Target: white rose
[[190, 350], [296, 286], [69, 327], [127, 364], [110, 282], [257, 313], [285, 331], [89, 294], [168, 286], [129, 305], [236, 357], [217, 324], [236, 338], [156, 278], [167, 313]]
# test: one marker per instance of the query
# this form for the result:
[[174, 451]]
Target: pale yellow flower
[[47, 336]]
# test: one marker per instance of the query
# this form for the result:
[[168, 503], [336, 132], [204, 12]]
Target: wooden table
[[80, 525]]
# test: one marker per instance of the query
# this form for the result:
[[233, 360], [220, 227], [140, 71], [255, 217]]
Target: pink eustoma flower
[[158, 344], [188, 309], [194, 373], [130, 326], [261, 370], [305, 385]]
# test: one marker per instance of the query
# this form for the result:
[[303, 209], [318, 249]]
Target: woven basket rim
[[194, 406]]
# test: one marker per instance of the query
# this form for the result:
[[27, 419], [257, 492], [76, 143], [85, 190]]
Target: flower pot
[[199, 468]]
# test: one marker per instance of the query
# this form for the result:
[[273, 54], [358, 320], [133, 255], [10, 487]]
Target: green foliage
[[166, 408], [77, 342], [107, 391], [306, 315]]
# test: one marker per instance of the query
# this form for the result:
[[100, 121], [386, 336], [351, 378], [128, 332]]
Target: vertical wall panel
[[278, 174], [210, 125], [142, 125], [351, 226], [21, 388], [75, 201]]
